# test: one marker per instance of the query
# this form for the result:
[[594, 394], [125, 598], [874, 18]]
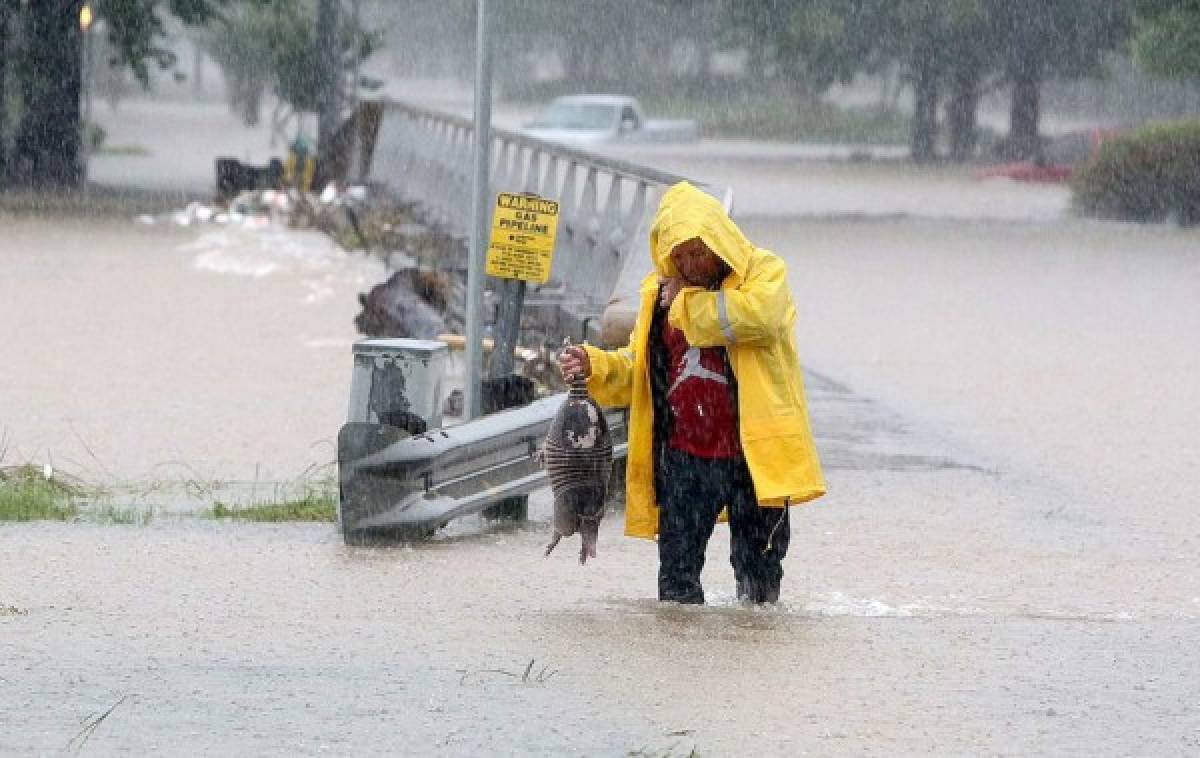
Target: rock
[[395, 309]]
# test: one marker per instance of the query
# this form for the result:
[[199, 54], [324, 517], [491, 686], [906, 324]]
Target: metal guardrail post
[[480, 206]]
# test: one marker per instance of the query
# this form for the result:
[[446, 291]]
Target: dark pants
[[691, 492]]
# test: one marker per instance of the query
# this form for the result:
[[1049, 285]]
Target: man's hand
[[670, 287], [574, 362]]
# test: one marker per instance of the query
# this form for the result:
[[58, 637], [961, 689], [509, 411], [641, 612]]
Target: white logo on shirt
[[690, 368]]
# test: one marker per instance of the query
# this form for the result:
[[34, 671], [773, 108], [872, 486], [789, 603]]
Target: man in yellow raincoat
[[717, 415]]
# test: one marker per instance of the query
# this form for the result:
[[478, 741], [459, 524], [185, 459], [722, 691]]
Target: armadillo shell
[[579, 425], [578, 447], [568, 469]]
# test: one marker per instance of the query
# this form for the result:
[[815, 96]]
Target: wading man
[[718, 424]]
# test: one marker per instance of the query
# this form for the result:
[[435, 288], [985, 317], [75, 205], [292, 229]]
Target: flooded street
[[135, 364], [1005, 399]]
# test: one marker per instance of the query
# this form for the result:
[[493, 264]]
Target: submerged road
[[1006, 562]]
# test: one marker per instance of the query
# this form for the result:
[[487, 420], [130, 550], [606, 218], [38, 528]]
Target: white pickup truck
[[597, 119]]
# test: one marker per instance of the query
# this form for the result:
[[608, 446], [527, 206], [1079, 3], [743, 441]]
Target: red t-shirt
[[701, 400]]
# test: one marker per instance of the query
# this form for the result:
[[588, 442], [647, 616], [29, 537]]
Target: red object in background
[[1062, 154]]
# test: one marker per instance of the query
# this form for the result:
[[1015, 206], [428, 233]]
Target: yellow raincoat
[[753, 317]]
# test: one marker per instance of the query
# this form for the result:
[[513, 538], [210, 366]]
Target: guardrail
[[406, 487], [605, 204]]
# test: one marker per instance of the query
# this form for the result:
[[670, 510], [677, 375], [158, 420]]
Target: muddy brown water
[[1006, 562]]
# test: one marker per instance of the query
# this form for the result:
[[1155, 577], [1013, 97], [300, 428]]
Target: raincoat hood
[[686, 212]]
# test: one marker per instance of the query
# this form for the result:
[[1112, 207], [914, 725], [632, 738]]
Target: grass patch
[[111, 514], [774, 117], [35, 492], [313, 506], [27, 494], [122, 150]]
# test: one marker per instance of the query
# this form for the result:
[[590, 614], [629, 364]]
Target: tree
[[941, 45], [935, 42], [971, 61], [599, 43], [49, 73], [959, 43], [938, 43], [272, 43], [1043, 38], [808, 44], [236, 44], [5, 24], [48, 69], [1167, 41]]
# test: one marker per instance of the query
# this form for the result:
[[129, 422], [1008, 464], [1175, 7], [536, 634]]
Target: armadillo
[[577, 455]]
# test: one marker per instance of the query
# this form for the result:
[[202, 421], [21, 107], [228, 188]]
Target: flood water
[[1005, 399]]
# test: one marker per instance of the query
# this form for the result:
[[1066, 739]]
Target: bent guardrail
[[394, 486]]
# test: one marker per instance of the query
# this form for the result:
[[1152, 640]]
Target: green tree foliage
[[5, 24], [1150, 175], [939, 44], [135, 28], [47, 70], [272, 43], [598, 43], [1167, 42], [1043, 38], [816, 43], [811, 44], [602, 44]]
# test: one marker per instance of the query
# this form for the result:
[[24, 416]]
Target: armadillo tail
[[553, 544], [589, 532]]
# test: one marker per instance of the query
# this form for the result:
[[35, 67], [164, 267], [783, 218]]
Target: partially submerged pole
[[472, 392]]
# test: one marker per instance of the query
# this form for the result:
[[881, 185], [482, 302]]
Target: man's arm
[[609, 372], [611, 381], [752, 313]]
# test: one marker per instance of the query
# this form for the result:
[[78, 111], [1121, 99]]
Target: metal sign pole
[[479, 207], [508, 328]]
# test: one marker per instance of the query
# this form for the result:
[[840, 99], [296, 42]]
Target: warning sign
[[523, 229]]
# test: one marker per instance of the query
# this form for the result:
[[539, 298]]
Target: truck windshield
[[576, 116]]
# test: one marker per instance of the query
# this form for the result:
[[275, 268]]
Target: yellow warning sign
[[523, 230]]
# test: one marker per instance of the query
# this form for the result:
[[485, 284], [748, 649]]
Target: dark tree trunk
[[756, 64], [1024, 140], [329, 105], [47, 149], [4, 56], [925, 125], [961, 113]]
